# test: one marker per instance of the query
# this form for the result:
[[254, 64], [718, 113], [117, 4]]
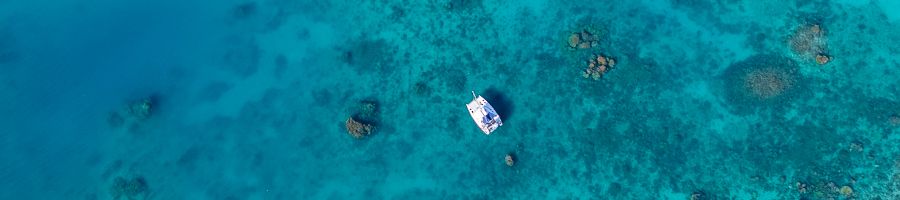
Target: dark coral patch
[[762, 81]]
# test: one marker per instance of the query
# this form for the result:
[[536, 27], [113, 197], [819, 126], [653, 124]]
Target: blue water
[[249, 99]]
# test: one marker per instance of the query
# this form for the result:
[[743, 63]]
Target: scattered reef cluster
[[639, 134], [362, 122], [809, 42], [598, 66], [823, 190], [583, 40], [588, 39], [134, 188]]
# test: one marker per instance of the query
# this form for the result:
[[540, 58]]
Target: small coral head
[[822, 59], [574, 40]]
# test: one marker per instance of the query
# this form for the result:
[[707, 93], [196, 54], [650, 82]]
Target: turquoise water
[[248, 99]]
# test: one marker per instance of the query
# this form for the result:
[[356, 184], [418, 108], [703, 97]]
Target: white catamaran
[[484, 114]]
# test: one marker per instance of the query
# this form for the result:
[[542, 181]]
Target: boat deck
[[484, 114]]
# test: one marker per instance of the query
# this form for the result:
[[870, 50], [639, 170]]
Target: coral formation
[[358, 129], [847, 191], [141, 109], [134, 188], [132, 114], [824, 190], [763, 80], [598, 65], [582, 40], [361, 123], [510, 160], [809, 42], [768, 82], [822, 59]]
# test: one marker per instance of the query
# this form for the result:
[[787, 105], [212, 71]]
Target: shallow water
[[248, 99]]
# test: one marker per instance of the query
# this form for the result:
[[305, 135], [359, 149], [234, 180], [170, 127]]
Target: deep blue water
[[249, 99]]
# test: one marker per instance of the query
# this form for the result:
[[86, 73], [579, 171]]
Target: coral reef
[[809, 42], [822, 59], [768, 82], [824, 190], [358, 129], [141, 109], [763, 80], [598, 65], [847, 191], [362, 122], [131, 189], [510, 160], [132, 114], [582, 40]]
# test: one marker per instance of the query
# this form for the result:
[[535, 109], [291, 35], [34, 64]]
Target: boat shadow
[[500, 102]]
